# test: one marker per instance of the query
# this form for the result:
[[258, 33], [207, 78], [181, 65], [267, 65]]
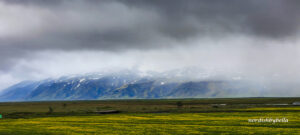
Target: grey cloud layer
[[65, 24], [29, 27], [267, 18], [115, 24]]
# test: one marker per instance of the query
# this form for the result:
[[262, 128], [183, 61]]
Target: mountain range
[[129, 85]]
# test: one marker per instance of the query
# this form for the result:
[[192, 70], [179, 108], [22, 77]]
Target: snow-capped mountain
[[127, 84]]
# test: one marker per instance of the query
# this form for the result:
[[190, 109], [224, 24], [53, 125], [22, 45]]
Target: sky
[[51, 38]]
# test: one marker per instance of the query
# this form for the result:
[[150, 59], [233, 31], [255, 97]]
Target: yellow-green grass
[[195, 116], [155, 123]]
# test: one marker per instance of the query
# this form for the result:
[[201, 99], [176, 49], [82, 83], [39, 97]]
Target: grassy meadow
[[173, 116]]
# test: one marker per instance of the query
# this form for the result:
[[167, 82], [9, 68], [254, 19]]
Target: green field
[[186, 116]]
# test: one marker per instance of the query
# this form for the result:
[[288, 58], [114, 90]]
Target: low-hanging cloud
[[45, 38]]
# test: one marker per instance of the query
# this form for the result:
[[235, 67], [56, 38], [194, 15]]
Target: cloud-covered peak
[[44, 38]]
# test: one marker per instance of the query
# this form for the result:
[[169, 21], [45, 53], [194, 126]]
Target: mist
[[258, 40]]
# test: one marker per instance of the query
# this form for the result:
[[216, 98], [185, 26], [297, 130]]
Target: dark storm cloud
[[35, 2], [114, 25], [270, 18]]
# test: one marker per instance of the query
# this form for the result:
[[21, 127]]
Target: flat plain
[[169, 116]]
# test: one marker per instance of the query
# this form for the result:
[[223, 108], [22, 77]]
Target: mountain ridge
[[120, 85]]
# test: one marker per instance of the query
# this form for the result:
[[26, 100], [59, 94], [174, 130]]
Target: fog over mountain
[[127, 84], [258, 40]]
